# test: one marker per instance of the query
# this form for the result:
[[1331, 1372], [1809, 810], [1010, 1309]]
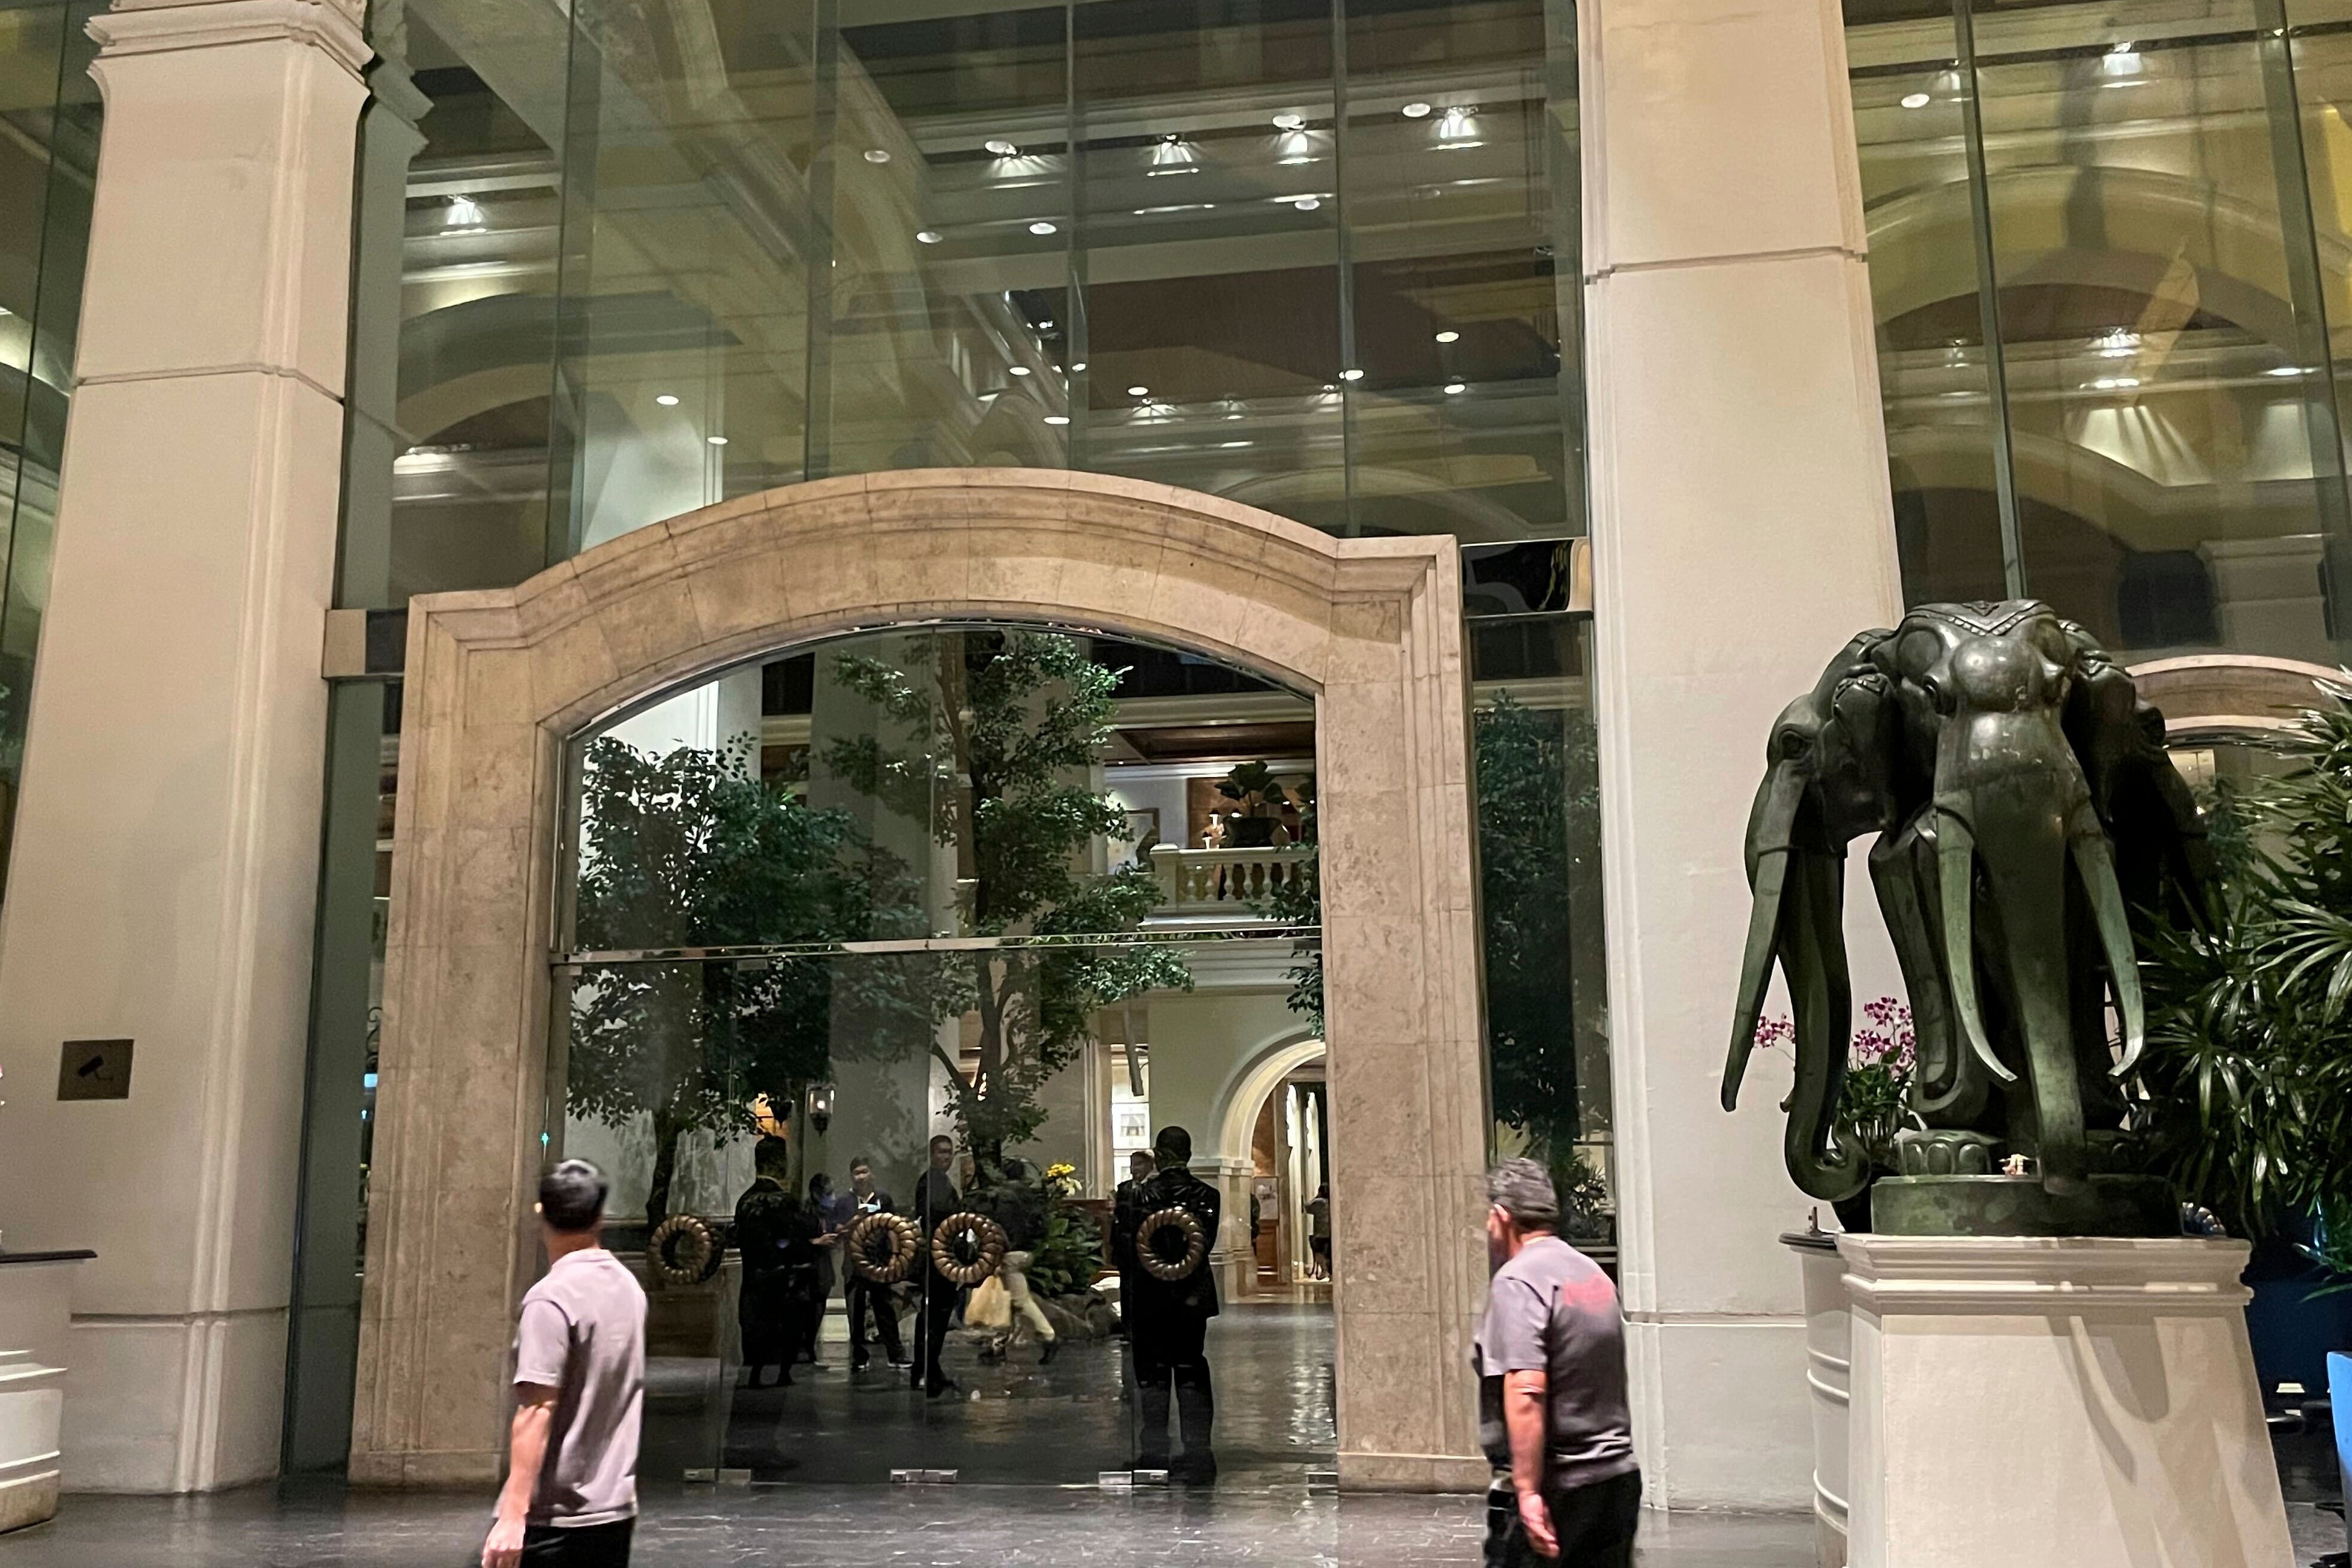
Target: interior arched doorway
[[497, 681], [1285, 1162]]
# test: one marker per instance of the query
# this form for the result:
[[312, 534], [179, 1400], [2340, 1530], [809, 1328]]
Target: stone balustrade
[[1225, 882]]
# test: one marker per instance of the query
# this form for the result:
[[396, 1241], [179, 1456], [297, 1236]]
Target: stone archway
[[498, 681]]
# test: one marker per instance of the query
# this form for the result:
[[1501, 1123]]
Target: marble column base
[[2067, 1402]]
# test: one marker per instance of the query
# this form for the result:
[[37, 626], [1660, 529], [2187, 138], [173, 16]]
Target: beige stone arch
[[498, 681]]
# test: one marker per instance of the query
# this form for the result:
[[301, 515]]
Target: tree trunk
[[668, 1127]]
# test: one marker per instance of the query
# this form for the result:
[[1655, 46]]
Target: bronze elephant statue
[[2024, 806]]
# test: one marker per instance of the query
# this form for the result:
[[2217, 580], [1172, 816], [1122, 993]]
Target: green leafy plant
[[1874, 1097], [688, 849], [1298, 901], [1253, 786], [999, 733], [1069, 1254], [2243, 1097]]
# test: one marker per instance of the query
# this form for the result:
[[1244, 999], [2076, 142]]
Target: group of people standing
[[793, 1258]]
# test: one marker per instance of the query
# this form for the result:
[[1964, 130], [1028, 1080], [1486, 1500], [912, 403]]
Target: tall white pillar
[[1742, 532], [165, 872]]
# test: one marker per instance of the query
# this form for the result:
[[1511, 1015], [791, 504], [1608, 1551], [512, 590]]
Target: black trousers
[[1595, 1524], [931, 1320], [1170, 1351], [584, 1546], [866, 1296]]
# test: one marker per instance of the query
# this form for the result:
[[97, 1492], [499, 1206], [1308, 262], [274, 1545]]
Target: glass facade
[[2111, 268], [49, 157], [1317, 256]]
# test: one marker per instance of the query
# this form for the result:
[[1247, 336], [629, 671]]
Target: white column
[[166, 861], [1741, 533]]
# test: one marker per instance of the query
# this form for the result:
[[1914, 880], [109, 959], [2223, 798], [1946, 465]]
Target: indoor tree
[[998, 735], [2243, 1096], [688, 848]]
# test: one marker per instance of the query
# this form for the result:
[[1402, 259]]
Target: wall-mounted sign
[[94, 1070]]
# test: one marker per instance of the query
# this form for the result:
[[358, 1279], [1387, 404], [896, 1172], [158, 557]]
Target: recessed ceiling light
[[1288, 121], [1229, 445], [928, 236], [1449, 335], [667, 400], [1232, 416], [876, 155], [1058, 419], [1415, 111], [2285, 371], [1916, 100], [1079, 365], [2114, 383], [1456, 388], [1046, 326], [1352, 375], [1330, 386], [1307, 203], [1019, 370], [1138, 392], [1001, 147], [1041, 228], [716, 440]]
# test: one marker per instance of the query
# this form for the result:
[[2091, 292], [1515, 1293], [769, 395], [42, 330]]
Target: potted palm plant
[[1259, 800]]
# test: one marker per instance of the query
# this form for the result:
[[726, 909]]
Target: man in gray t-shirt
[[571, 1497], [1552, 1381]]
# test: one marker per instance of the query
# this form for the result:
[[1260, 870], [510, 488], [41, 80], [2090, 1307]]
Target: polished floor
[[857, 1527], [1010, 1421]]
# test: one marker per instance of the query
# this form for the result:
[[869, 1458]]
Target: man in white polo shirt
[[571, 1497]]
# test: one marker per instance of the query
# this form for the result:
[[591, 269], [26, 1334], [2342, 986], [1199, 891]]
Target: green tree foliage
[[998, 733], [2244, 1095], [688, 849], [1524, 802]]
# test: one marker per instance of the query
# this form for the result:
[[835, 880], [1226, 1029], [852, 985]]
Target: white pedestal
[[34, 1326], [2074, 1403], [1829, 1370]]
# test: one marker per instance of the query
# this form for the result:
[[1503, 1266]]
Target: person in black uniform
[[764, 1219], [1168, 1322], [935, 1199], [864, 1295], [1124, 1218]]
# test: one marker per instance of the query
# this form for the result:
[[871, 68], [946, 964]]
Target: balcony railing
[[1225, 882]]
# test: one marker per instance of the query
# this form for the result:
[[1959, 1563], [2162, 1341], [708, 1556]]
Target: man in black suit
[[935, 1199], [1168, 1319]]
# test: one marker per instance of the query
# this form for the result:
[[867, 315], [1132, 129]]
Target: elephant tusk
[[1956, 852], [1776, 815], [2096, 865]]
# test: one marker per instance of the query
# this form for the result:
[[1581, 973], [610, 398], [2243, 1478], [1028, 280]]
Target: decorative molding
[[134, 27], [2007, 1275]]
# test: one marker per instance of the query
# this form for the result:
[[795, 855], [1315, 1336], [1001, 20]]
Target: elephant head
[[2022, 863], [1825, 783]]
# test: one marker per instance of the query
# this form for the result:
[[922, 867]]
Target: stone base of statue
[[2018, 1205], [2054, 1402]]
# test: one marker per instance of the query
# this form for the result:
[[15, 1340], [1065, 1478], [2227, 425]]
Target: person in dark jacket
[[827, 1241], [764, 1222], [864, 1296], [936, 1199], [1168, 1319]]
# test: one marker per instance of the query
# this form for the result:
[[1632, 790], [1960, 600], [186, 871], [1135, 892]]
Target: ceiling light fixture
[[1229, 445], [1449, 335], [1287, 122], [1415, 111], [1041, 227], [1138, 392], [1047, 325], [2114, 383], [1352, 375], [1457, 121], [1916, 101], [1307, 203], [1455, 389], [716, 440], [1001, 147], [1019, 370], [667, 400], [1058, 419], [2285, 371], [876, 155], [1078, 365], [928, 236], [465, 213]]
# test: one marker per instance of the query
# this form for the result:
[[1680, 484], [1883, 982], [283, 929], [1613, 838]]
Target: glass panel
[[1459, 181], [1909, 113], [1539, 821], [1209, 225], [984, 975]]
